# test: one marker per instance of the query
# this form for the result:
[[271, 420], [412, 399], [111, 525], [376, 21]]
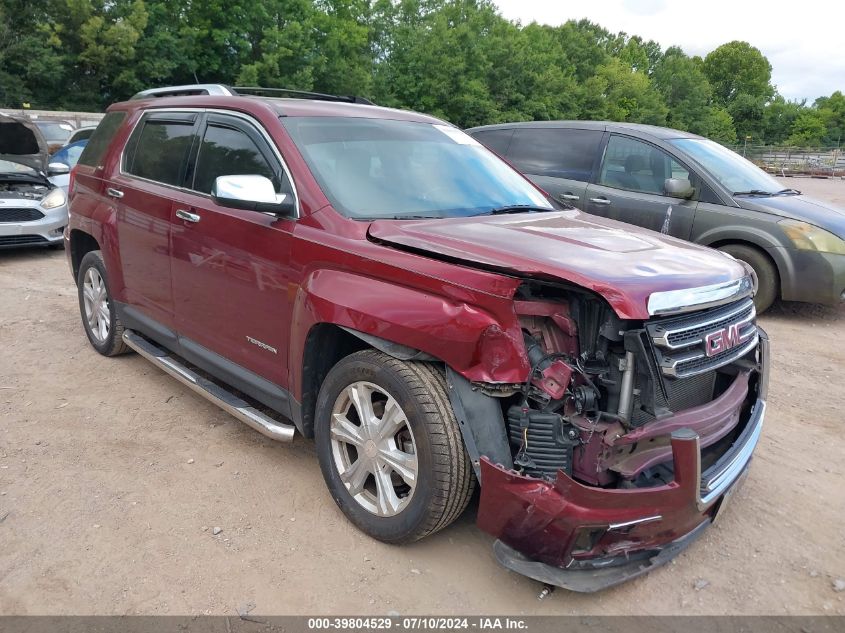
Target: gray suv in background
[[689, 187]]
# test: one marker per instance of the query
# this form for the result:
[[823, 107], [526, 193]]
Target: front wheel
[[764, 270], [390, 448]]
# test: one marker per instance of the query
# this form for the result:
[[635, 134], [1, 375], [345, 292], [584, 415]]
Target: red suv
[[377, 280]]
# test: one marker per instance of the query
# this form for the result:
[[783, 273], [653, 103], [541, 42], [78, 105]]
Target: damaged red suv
[[378, 281]]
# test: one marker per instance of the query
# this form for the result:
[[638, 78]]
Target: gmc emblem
[[722, 340]]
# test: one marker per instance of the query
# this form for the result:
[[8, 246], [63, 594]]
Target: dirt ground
[[113, 476]]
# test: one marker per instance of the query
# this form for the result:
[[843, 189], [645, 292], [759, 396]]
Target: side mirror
[[57, 169], [678, 188], [251, 193]]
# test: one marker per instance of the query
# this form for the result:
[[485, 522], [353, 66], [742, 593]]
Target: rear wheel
[[390, 448], [101, 323], [764, 269]]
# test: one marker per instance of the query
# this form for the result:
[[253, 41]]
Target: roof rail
[[184, 91], [321, 96], [222, 90]]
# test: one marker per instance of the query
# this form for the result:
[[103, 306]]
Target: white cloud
[[803, 41]]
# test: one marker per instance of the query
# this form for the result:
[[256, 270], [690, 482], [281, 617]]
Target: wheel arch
[[481, 342], [780, 264], [81, 243], [772, 246]]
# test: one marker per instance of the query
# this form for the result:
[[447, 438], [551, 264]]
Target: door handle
[[182, 214], [604, 201], [114, 193], [569, 196]]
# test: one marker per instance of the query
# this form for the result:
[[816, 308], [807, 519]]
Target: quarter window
[[555, 152], [161, 151], [497, 140], [636, 166]]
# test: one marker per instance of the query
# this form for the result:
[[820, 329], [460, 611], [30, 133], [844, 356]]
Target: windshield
[[377, 168], [11, 167], [735, 173], [54, 130]]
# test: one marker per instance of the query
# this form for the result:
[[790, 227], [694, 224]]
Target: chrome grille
[[694, 344], [19, 214]]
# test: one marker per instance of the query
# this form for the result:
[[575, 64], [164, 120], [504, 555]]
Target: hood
[[804, 208], [622, 263], [22, 142]]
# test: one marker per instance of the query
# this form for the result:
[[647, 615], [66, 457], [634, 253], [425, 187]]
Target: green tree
[[809, 129], [30, 61], [833, 108], [436, 62], [685, 90], [740, 76], [778, 119], [737, 68], [719, 126], [628, 95]]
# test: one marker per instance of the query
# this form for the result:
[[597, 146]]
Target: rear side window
[[101, 138], [497, 140], [226, 151], [159, 150], [556, 152]]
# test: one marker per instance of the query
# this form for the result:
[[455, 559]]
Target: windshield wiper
[[517, 208], [753, 192], [789, 191]]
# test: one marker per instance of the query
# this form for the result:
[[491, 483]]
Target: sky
[[804, 41]]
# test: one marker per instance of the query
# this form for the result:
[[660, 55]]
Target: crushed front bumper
[[586, 539]]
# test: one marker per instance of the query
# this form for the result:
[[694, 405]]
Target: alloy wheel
[[96, 300], [373, 449]]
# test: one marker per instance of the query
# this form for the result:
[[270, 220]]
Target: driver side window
[[229, 151], [636, 166]]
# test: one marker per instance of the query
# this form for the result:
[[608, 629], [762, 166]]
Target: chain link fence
[[795, 161]]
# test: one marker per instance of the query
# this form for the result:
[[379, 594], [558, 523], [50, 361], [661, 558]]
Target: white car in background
[[33, 210]]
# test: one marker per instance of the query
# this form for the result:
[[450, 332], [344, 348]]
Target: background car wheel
[[99, 318], [768, 280], [390, 448]]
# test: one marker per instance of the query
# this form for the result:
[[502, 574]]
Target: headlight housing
[[55, 198], [807, 237]]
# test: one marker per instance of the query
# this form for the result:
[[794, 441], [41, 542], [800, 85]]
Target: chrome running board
[[213, 392]]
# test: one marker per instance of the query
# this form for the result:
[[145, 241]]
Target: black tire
[[768, 280], [445, 480], [112, 344]]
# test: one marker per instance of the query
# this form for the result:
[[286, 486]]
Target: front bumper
[[42, 232], [587, 538], [812, 277]]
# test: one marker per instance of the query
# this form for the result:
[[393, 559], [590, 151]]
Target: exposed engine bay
[[604, 393], [23, 190]]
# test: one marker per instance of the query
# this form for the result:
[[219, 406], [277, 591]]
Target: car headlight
[[807, 237], [55, 198]]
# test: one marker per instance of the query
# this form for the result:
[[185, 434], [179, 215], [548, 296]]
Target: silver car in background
[[33, 211]]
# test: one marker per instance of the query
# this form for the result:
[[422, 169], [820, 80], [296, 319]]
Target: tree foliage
[[456, 59]]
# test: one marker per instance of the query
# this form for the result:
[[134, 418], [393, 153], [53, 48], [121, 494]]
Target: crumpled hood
[[22, 142], [621, 262], [804, 208]]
